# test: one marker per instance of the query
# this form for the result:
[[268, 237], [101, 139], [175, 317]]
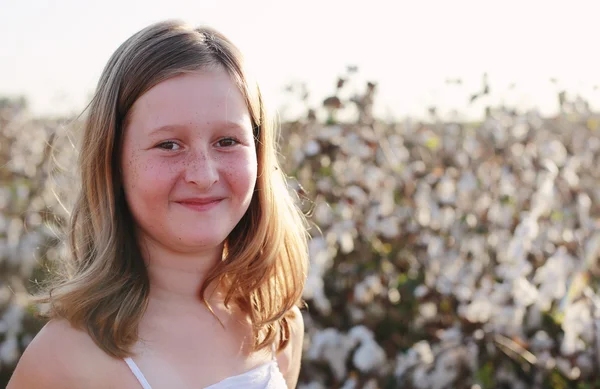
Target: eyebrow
[[227, 125]]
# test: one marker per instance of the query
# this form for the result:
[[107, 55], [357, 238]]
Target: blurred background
[[447, 153]]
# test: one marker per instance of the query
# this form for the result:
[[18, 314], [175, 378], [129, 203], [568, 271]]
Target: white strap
[[137, 373], [274, 352]]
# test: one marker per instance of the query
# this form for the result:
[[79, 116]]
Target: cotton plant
[[28, 206]]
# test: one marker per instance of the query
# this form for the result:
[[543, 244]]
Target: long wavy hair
[[105, 286]]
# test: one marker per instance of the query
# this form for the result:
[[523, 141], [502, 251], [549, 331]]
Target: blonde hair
[[105, 288]]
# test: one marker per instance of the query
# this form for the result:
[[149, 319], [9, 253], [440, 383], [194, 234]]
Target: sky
[[54, 51]]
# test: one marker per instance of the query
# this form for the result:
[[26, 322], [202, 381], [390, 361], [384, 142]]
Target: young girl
[[188, 255]]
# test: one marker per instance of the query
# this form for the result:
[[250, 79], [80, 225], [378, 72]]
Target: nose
[[201, 170]]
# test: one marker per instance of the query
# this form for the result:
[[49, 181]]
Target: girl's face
[[189, 161]]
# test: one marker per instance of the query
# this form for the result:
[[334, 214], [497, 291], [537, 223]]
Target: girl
[[188, 255]]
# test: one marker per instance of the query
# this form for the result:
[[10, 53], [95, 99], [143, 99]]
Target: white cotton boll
[[364, 151], [3, 223], [9, 350], [419, 355], [325, 185], [13, 317], [360, 333], [463, 293], [330, 133], [4, 197], [405, 362], [353, 145], [394, 296], [389, 227], [519, 131], [371, 221], [571, 178], [322, 303], [541, 341], [420, 291], [444, 286], [546, 359], [509, 319], [528, 228], [346, 242], [578, 320], [357, 195], [571, 344], [387, 203], [451, 335], [423, 216], [501, 214], [368, 356], [482, 204], [313, 290], [555, 151], [374, 283], [446, 190], [507, 185], [565, 367], [333, 347], [472, 355], [585, 363], [435, 247], [428, 310], [372, 178], [552, 277], [445, 370], [448, 218], [351, 383], [346, 211], [13, 234], [421, 378], [478, 311], [592, 249], [5, 292], [423, 350], [356, 314], [312, 148], [321, 259], [312, 284], [26, 340], [362, 294], [524, 293], [323, 214]]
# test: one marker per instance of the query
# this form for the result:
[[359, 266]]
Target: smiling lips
[[201, 204]]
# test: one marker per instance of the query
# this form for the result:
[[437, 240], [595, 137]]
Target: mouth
[[200, 204]]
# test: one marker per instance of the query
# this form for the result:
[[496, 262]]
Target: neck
[[177, 277]]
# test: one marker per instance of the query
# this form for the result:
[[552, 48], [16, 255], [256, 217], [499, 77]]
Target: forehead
[[203, 97]]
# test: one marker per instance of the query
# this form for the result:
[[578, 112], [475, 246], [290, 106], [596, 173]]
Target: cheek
[[242, 175], [146, 182]]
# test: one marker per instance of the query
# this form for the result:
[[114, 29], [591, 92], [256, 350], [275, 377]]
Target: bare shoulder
[[60, 356], [289, 358]]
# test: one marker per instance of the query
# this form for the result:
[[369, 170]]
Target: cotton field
[[443, 254]]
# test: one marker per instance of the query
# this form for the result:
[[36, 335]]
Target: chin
[[201, 242]]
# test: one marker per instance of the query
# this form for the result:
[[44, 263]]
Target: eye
[[169, 145], [227, 142]]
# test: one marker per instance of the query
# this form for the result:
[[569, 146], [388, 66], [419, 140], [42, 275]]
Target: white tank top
[[265, 376]]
